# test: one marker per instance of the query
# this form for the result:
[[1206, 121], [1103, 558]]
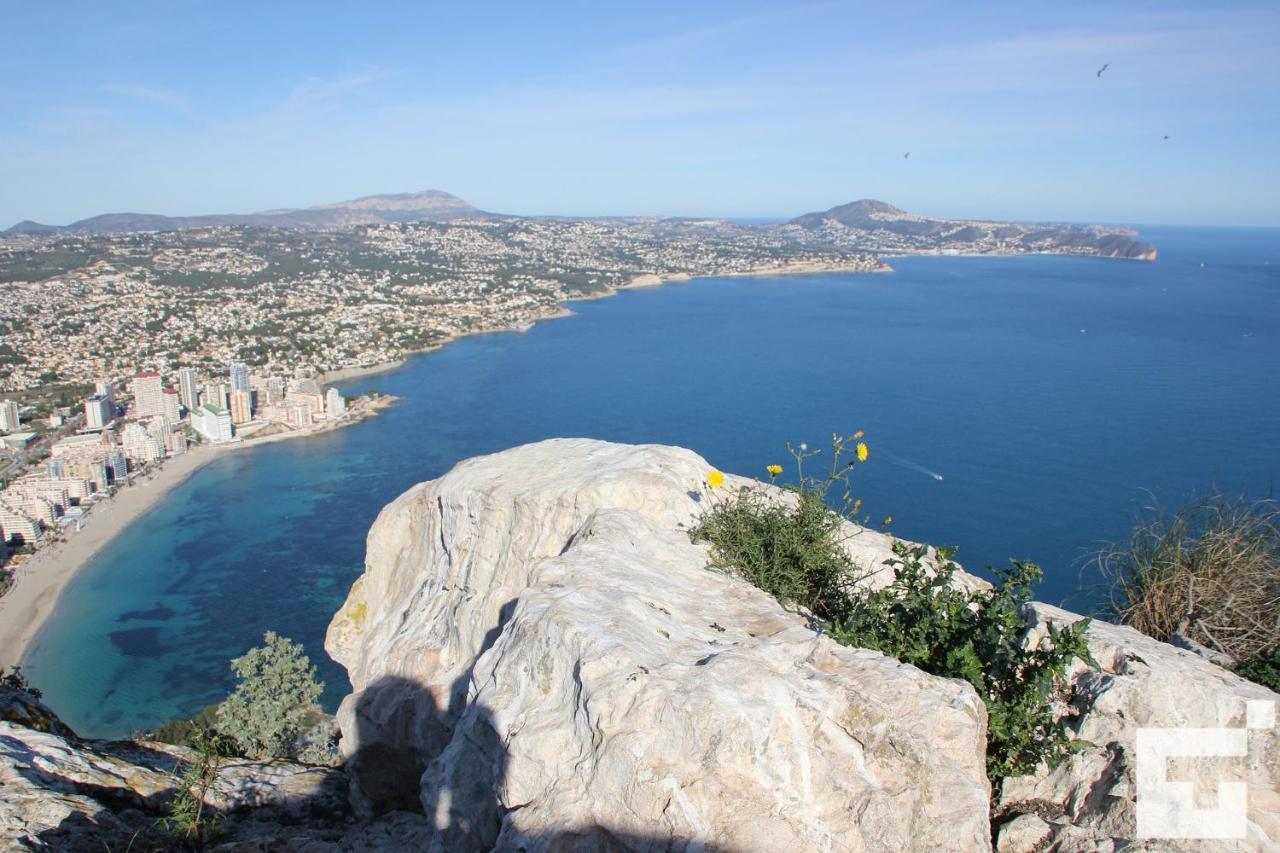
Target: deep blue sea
[[1055, 396]]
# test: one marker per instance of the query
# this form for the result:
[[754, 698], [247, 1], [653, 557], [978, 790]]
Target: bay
[[1054, 396]]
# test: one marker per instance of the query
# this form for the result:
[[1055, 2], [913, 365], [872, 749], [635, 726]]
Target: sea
[[1017, 407]]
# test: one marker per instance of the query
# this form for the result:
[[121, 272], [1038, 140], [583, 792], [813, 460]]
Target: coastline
[[40, 581], [26, 608]]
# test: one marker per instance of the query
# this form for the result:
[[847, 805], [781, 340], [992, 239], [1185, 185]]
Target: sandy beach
[[40, 581]]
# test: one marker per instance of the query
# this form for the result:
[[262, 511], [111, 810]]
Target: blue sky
[[735, 109]]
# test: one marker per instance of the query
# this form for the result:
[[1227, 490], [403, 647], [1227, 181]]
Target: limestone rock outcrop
[[61, 793], [540, 655], [1088, 802], [543, 660]]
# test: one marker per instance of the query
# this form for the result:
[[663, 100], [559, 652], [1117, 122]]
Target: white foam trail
[[905, 463]]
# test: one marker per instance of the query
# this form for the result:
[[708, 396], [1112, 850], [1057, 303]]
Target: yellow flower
[[862, 451], [774, 470], [888, 519], [858, 434], [715, 479]]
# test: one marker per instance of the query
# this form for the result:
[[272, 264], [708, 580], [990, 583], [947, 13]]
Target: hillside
[[889, 228], [426, 206]]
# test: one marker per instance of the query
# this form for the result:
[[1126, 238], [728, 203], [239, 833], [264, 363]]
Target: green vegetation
[[15, 680], [267, 714], [185, 732], [923, 619], [790, 545], [191, 823], [1208, 573], [1263, 668]]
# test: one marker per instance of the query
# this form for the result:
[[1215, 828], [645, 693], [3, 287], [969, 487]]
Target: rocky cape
[[882, 225], [542, 660]]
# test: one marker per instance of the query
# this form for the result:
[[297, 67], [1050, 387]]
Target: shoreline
[[39, 582], [27, 607]]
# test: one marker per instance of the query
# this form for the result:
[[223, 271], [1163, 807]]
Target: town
[[52, 478], [77, 307]]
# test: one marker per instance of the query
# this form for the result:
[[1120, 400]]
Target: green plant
[[186, 732], [273, 701], [1263, 668], [15, 680], [791, 544], [190, 824], [1209, 572], [924, 619]]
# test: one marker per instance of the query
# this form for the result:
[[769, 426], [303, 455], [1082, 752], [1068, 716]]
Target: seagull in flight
[[1104, 67]]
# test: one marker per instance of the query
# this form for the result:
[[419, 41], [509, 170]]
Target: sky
[[736, 109]]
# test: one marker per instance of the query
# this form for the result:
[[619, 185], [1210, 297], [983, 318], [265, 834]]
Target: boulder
[[1089, 801], [541, 655]]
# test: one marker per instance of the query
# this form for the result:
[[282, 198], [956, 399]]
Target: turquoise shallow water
[[1052, 393]]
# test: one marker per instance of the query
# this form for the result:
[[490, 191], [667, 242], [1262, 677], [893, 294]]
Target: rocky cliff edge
[[541, 660]]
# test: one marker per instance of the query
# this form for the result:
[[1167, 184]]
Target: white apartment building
[[213, 423], [9, 421], [148, 395], [98, 412]]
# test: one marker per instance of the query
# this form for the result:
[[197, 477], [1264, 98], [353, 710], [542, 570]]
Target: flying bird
[[906, 156], [1166, 136], [1104, 67]]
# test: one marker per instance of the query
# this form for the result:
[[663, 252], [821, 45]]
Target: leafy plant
[[923, 619], [791, 544], [273, 702], [15, 680], [1263, 668]]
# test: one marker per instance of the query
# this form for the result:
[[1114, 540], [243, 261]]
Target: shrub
[[189, 825], [273, 702], [1209, 572], [15, 680], [791, 546], [1263, 668], [922, 619], [185, 732]]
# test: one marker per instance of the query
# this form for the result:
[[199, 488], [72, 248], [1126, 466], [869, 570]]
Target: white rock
[[1144, 683], [537, 639]]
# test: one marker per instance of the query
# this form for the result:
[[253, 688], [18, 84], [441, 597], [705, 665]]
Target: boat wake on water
[[906, 463]]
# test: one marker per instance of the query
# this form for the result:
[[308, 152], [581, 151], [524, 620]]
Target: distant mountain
[[888, 227], [430, 205]]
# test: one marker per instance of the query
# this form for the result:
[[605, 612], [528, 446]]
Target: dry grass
[[1209, 572]]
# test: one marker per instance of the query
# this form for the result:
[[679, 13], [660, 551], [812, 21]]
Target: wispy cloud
[[161, 97], [315, 90]]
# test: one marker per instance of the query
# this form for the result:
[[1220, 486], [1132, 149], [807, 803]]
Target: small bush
[[191, 824], [186, 732], [791, 552], [15, 680], [791, 546], [274, 701], [1263, 668], [923, 620], [1209, 572]]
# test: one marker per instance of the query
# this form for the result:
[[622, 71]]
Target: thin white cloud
[[161, 97], [314, 90]]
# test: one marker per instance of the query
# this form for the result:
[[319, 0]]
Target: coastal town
[[236, 322], [57, 466], [75, 308]]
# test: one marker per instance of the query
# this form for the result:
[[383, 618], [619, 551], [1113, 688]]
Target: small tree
[[267, 712]]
